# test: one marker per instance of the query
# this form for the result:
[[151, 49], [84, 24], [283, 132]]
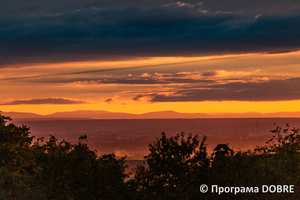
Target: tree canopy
[[174, 168], [55, 170]]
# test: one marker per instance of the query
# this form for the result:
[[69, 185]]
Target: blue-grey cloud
[[209, 73], [138, 97], [37, 7], [150, 79], [109, 100], [96, 30], [273, 90], [44, 101]]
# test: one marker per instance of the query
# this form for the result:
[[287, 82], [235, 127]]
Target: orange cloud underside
[[245, 67]]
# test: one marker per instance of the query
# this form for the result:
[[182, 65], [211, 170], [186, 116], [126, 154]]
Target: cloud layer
[[96, 30], [44, 101], [273, 90]]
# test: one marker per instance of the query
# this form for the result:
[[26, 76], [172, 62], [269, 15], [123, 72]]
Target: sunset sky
[[139, 56]]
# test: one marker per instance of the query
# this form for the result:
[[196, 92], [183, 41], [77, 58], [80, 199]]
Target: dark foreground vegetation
[[174, 169]]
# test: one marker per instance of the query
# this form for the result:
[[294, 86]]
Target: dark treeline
[[174, 168]]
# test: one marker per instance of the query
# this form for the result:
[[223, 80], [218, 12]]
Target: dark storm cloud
[[274, 90], [90, 30], [37, 7], [44, 101]]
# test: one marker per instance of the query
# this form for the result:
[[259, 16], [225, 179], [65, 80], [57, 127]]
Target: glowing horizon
[[157, 58], [43, 95]]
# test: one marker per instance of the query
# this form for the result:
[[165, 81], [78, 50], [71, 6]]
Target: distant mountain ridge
[[169, 114]]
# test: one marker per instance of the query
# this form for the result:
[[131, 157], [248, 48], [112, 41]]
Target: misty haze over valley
[[131, 136]]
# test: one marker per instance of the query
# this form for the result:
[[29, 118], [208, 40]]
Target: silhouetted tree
[[76, 172], [15, 147], [174, 168], [281, 160], [56, 170], [276, 163]]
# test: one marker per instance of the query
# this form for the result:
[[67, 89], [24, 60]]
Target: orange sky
[[265, 83]]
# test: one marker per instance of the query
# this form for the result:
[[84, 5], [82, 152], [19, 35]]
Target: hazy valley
[[131, 136]]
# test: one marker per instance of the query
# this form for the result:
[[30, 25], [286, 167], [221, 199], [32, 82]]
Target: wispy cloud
[[109, 100], [263, 90], [44, 101], [180, 4], [206, 77]]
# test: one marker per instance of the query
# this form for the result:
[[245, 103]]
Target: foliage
[[276, 163], [175, 167], [56, 170], [281, 158], [76, 172], [15, 150]]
